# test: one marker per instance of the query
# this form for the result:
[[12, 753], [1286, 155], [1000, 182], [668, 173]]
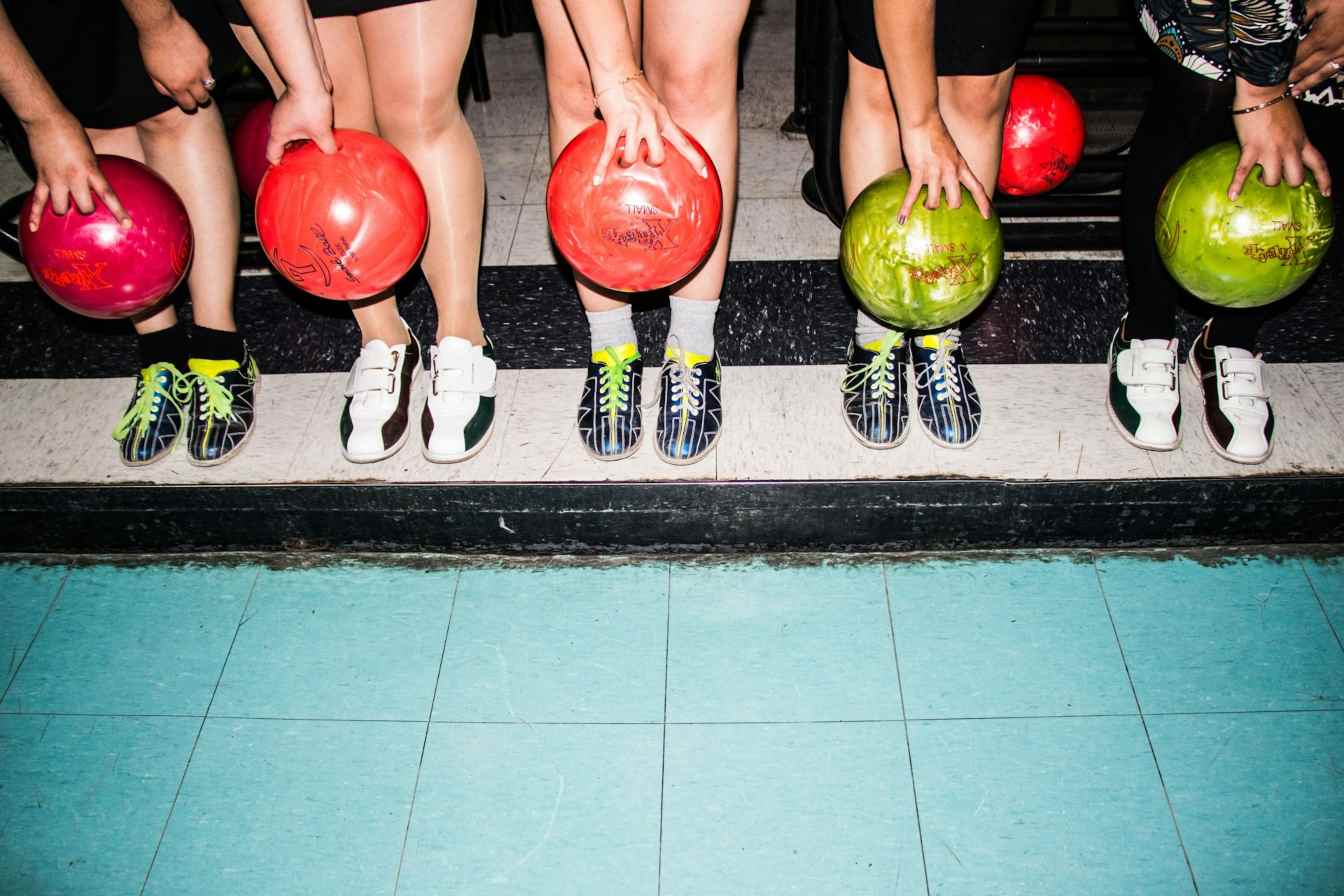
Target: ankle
[[390, 333]]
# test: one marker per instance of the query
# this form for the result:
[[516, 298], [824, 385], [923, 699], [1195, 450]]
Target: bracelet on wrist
[[621, 83], [1265, 105]]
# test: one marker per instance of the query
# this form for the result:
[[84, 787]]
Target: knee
[[979, 100], [569, 93], [694, 85], [867, 90], [420, 116]]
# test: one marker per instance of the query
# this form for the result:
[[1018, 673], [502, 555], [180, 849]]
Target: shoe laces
[[216, 397], [879, 374], [684, 382], [159, 384], [613, 379], [942, 372]]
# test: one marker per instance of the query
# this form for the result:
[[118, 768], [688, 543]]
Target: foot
[[223, 408], [1144, 398], [690, 411], [459, 411], [1238, 420], [153, 420], [949, 406], [374, 423], [874, 392], [610, 417]]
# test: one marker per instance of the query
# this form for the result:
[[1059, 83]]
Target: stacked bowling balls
[[94, 266], [644, 227], [925, 274], [1246, 252], [248, 143], [1042, 136], [343, 226]]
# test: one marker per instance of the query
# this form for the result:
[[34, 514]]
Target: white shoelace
[[942, 372]]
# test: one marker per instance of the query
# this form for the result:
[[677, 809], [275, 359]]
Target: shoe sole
[[401, 441], [1208, 433], [242, 443], [458, 458], [1125, 433]]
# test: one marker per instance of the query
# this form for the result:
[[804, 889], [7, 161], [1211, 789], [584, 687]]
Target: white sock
[[868, 329], [692, 325], [607, 329]]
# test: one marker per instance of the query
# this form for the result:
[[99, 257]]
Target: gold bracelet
[[621, 83], [1265, 105]]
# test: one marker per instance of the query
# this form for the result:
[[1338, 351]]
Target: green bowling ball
[[1243, 253], [926, 274]]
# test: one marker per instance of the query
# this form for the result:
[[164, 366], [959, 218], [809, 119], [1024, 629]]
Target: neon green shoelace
[[875, 374], [218, 397], [614, 382], [151, 397]]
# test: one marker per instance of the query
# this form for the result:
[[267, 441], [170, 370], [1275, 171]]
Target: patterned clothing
[[1252, 39]]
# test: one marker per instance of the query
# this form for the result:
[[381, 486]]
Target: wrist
[[1248, 94], [46, 111], [611, 73]]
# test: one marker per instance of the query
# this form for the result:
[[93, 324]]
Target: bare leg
[[191, 151], [569, 91], [697, 79], [870, 138], [415, 54], [973, 107], [126, 142], [343, 49]]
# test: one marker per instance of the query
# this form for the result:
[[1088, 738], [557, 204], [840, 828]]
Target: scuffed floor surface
[[1062, 723]]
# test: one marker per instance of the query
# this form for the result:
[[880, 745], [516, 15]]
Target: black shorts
[[971, 37], [322, 9], [89, 52]]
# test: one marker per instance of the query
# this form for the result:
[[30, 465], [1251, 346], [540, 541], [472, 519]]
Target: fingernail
[[597, 179]]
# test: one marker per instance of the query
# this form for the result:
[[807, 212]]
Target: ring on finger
[[210, 82]]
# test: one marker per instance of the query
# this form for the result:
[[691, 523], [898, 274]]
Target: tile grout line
[[662, 772], [51, 605], [1319, 602], [181, 782], [424, 744], [905, 726], [1152, 751]]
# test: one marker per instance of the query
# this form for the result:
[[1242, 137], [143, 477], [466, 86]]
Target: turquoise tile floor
[[1063, 723]]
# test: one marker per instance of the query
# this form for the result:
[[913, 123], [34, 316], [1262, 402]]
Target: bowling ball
[[94, 266], [248, 142], [343, 226], [644, 227], [1042, 136], [1246, 252], [926, 274]]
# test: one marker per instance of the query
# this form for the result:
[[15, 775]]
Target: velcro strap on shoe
[[474, 376], [1243, 378], [370, 379], [1146, 367]]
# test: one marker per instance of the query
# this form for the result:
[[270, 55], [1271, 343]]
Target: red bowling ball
[[644, 227], [1042, 136], [248, 142], [94, 266], [343, 226]]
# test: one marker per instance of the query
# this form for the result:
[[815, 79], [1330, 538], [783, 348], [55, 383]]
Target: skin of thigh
[[870, 137], [415, 54], [973, 107]]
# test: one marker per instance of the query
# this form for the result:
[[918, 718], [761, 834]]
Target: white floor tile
[[541, 174], [771, 164], [1328, 382], [513, 57], [532, 239], [508, 166], [501, 221], [516, 108], [53, 422], [782, 229]]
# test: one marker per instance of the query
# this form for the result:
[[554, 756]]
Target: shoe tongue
[[455, 349], [933, 340], [1164, 344], [1239, 354], [672, 353], [623, 352], [211, 368], [376, 350]]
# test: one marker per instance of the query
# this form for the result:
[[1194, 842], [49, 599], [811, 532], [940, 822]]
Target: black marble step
[[647, 517]]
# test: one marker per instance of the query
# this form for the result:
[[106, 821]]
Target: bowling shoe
[[874, 392], [1238, 420], [611, 421], [690, 409], [1144, 397], [949, 406], [222, 410], [375, 420], [153, 420], [459, 412]]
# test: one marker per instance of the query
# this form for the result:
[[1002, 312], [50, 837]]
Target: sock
[[216, 345], [868, 329], [692, 325], [611, 328], [164, 345]]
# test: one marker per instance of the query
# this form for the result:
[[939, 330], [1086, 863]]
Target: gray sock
[[692, 326], [611, 328], [868, 329]]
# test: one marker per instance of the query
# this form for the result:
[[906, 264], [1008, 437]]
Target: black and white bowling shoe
[[1143, 399], [376, 417], [154, 418], [873, 389], [611, 418], [690, 406], [1238, 420], [459, 412], [223, 408], [945, 396]]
